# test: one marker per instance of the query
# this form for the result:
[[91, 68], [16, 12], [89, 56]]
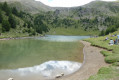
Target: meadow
[[111, 54], [71, 31]]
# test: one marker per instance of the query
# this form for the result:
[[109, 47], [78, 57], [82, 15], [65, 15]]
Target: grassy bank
[[70, 31], [18, 32], [111, 57], [13, 33]]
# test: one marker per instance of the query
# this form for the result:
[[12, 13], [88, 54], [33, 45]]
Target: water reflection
[[29, 52], [48, 69]]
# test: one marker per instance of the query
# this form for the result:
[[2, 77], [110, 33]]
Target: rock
[[60, 75]]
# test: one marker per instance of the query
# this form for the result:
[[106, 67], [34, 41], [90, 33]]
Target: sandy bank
[[93, 61]]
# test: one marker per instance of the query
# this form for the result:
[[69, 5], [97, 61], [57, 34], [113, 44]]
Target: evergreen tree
[[14, 11], [40, 26], [1, 18], [12, 21], [6, 8], [5, 26], [25, 24], [29, 24], [0, 5]]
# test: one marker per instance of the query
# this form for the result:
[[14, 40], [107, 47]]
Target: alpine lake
[[40, 57]]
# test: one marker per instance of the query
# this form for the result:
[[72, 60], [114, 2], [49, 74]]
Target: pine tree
[[12, 21], [1, 18], [6, 8], [14, 11], [5, 26], [0, 5]]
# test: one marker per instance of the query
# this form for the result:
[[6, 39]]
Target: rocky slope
[[30, 6]]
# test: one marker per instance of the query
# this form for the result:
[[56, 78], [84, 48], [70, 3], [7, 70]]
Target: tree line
[[42, 22], [8, 20]]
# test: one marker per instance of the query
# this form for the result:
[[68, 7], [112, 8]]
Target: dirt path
[[94, 60]]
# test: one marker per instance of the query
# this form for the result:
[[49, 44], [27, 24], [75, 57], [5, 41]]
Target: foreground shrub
[[105, 73], [116, 64], [105, 70], [112, 58], [106, 53]]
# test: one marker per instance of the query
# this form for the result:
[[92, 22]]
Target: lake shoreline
[[16, 38], [93, 61], [20, 37], [24, 53], [26, 37], [88, 60]]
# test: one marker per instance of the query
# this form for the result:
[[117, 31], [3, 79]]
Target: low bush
[[105, 73], [112, 58], [116, 64], [105, 70], [106, 53]]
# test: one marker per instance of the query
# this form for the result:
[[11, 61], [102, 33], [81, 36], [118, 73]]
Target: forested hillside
[[95, 18], [14, 23], [97, 15], [30, 6]]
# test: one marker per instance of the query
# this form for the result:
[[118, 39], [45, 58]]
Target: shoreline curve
[[93, 61]]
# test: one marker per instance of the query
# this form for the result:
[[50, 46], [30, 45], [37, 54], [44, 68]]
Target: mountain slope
[[101, 12], [30, 6], [14, 23], [105, 7], [95, 16]]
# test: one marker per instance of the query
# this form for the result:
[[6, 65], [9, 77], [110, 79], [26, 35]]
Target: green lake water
[[23, 53], [30, 52]]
